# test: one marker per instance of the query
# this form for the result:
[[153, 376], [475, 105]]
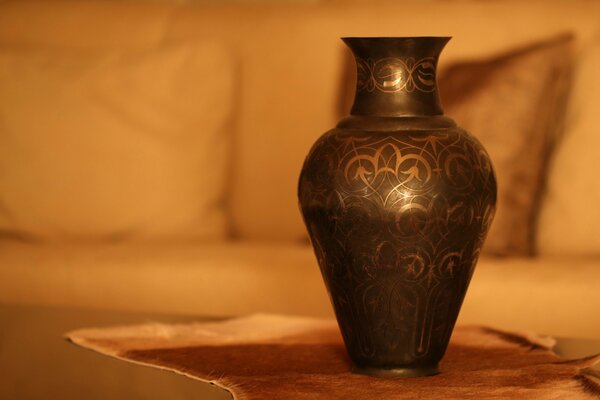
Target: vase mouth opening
[[395, 37], [397, 41]]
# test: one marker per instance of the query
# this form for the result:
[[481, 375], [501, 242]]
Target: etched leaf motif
[[413, 173]]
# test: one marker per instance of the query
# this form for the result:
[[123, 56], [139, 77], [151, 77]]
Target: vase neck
[[396, 76]]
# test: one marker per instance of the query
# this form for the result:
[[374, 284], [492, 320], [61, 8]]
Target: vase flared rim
[[396, 37]]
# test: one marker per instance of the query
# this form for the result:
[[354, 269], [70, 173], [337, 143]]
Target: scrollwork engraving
[[397, 221], [392, 74]]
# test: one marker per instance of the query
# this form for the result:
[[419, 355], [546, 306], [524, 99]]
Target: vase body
[[397, 201]]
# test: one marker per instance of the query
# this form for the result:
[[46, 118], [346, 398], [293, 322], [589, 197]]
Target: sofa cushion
[[570, 218], [213, 279], [293, 66], [111, 143], [514, 104], [238, 278]]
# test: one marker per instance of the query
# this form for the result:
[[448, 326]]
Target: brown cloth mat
[[279, 357]]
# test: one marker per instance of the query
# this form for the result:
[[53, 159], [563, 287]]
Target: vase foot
[[407, 372]]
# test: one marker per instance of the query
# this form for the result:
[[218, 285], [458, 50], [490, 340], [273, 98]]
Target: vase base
[[407, 372]]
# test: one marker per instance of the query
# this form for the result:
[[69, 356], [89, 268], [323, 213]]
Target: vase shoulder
[[396, 159]]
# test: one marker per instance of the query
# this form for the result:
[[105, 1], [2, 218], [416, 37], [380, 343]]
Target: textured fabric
[[558, 296], [514, 104], [570, 212], [271, 357], [115, 143]]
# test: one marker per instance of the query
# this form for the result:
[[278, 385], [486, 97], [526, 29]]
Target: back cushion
[[514, 103], [110, 142], [294, 68], [570, 214]]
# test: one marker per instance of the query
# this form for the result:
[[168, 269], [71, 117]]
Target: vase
[[397, 201]]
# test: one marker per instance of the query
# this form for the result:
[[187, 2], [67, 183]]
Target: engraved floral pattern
[[397, 221]]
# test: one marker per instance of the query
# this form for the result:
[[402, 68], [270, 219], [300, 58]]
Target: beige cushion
[[570, 218], [113, 142], [514, 103]]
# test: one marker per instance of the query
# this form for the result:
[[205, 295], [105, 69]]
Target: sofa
[[149, 152]]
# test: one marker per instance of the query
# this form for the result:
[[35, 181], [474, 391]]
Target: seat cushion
[[115, 142], [217, 279], [547, 295]]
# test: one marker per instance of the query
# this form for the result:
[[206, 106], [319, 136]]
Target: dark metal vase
[[397, 201]]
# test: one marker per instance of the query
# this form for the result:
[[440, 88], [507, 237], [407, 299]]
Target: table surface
[[36, 362]]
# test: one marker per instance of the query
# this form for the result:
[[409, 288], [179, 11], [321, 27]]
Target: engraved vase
[[397, 201]]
